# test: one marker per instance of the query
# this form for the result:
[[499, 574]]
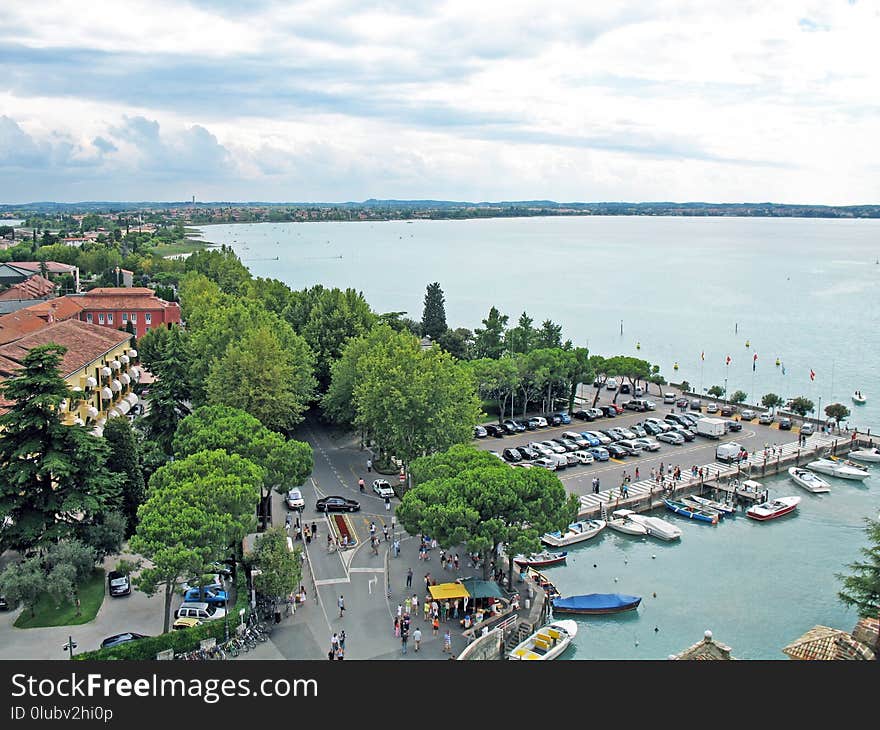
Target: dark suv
[[785, 424], [553, 419]]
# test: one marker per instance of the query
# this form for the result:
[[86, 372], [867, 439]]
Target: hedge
[[181, 640]]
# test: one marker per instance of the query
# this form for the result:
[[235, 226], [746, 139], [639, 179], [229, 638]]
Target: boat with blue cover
[[692, 513], [596, 603]]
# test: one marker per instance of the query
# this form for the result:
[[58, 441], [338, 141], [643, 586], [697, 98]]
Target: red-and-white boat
[[772, 509], [541, 560]]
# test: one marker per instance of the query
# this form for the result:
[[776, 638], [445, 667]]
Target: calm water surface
[[803, 291]]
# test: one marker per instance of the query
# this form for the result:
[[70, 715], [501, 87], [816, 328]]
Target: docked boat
[[872, 455], [543, 559], [621, 520], [693, 513], [808, 480], [596, 603], [657, 527], [858, 398], [772, 509], [712, 504], [576, 532], [546, 643], [839, 469]]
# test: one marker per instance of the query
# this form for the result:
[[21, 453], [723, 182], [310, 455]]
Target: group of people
[[301, 532], [337, 646]]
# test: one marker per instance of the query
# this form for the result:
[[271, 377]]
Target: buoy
[[675, 366], [777, 362], [655, 594], [594, 565], [638, 345], [637, 642], [747, 343], [656, 629], [653, 556], [615, 580]]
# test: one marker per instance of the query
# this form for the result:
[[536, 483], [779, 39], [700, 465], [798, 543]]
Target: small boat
[[772, 509], [866, 454], [720, 507], [576, 532], [541, 560], [546, 643], [809, 481], [658, 527], [620, 521], [839, 469], [596, 603], [693, 513], [858, 398]]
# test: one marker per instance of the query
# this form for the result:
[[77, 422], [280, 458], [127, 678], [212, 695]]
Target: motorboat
[[541, 560], [693, 513], [872, 455], [808, 480], [596, 603], [622, 522], [720, 507], [575, 532], [835, 468], [772, 509], [858, 398], [657, 527], [546, 643]]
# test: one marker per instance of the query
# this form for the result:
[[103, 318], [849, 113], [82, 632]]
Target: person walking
[[455, 561], [637, 473], [415, 603], [385, 532], [334, 643], [314, 529], [417, 638], [396, 546], [435, 626], [404, 635], [341, 604], [447, 642], [287, 522], [400, 608], [427, 611], [361, 485], [369, 465], [387, 504], [342, 640], [409, 575], [396, 627], [444, 611]]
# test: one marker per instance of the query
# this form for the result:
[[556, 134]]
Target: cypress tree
[[434, 313]]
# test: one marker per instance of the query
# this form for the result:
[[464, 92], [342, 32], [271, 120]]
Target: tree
[[338, 402], [496, 380], [262, 376], [196, 508], [861, 589], [124, 459], [458, 342], [520, 339], [489, 341], [549, 336], [52, 477], [801, 405], [280, 568], [716, 391], [838, 412], [170, 395], [685, 386], [104, 535], [771, 401], [75, 553], [469, 499], [434, 313], [23, 583], [580, 371], [738, 397]]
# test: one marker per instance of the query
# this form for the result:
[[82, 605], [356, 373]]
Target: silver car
[[648, 444], [671, 437]]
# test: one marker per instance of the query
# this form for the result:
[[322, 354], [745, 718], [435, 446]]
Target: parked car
[[808, 429], [567, 444], [498, 456], [711, 408], [611, 384], [686, 432], [585, 414], [553, 419], [212, 596], [200, 610], [337, 504], [624, 388], [682, 402], [639, 430], [695, 404], [590, 439], [185, 622], [509, 429], [294, 499], [765, 418], [527, 453], [608, 411], [671, 437], [748, 414], [652, 406], [383, 488], [785, 424], [546, 462], [639, 391], [123, 638], [4, 604], [734, 426], [618, 408], [564, 418], [214, 584], [571, 459], [541, 448], [538, 421], [616, 452], [479, 432], [516, 425], [727, 410], [637, 404], [118, 584], [576, 437], [583, 457], [493, 429], [690, 418], [511, 455], [554, 447], [597, 412], [677, 420], [603, 439], [631, 446], [648, 444], [610, 435], [652, 428], [599, 453], [669, 398]]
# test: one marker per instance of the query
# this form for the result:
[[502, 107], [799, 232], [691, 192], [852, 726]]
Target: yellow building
[[100, 367]]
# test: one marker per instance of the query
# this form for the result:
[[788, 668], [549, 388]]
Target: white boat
[[858, 398], [866, 454], [772, 509], [546, 643], [838, 469], [658, 527], [576, 532], [621, 520], [720, 507], [809, 481]]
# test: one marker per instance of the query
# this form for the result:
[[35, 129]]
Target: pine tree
[[170, 394], [124, 459], [434, 314]]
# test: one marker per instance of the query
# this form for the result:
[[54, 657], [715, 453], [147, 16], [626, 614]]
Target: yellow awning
[[448, 590]]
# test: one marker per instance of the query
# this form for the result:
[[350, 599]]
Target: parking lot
[[578, 479]]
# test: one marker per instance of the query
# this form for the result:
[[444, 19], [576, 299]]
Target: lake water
[[801, 290]]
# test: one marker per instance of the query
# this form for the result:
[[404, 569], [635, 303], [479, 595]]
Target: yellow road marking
[[616, 461]]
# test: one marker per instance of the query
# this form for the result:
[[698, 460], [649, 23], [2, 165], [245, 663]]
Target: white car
[[671, 437], [765, 418], [603, 439], [712, 408], [611, 384], [540, 448], [382, 488], [652, 406], [295, 499], [747, 414], [554, 447], [648, 444], [583, 457], [595, 412], [576, 437], [546, 463]]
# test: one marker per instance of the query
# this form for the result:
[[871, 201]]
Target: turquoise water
[[804, 291]]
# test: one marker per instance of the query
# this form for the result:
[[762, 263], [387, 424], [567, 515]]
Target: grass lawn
[[91, 595]]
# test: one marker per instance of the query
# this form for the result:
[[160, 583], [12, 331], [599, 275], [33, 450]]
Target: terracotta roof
[[823, 643], [33, 287], [85, 343], [866, 631], [123, 298], [20, 323], [53, 267], [60, 308], [706, 649]]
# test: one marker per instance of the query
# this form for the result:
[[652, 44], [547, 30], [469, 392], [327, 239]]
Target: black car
[[727, 410], [584, 415], [516, 425], [785, 424], [118, 584], [615, 451], [509, 429], [526, 453], [610, 434], [695, 404], [553, 419], [624, 388], [337, 504], [734, 426], [609, 411], [493, 429], [118, 639], [512, 455], [4, 606]]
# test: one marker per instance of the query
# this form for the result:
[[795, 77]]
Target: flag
[[728, 359], [812, 374], [703, 355], [754, 361]]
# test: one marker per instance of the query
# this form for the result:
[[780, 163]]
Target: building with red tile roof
[[116, 307]]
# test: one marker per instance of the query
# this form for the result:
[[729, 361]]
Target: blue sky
[[333, 100]]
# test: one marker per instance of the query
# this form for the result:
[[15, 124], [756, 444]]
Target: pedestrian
[[435, 626], [287, 522], [372, 529], [427, 582], [400, 609], [455, 606], [427, 611], [447, 642], [417, 638], [387, 504], [455, 561], [637, 473], [342, 639], [444, 611], [341, 604], [385, 532], [415, 603], [298, 535], [409, 575], [308, 535], [361, 485], [334, 643], [396, 546], [403, 637], [369, 465], [314, 529], [624, 491], [340, 654], [330, 542]]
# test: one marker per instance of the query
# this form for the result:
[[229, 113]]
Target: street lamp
[[69, 646]]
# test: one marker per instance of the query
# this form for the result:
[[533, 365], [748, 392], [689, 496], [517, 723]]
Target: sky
[[341, 100]]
